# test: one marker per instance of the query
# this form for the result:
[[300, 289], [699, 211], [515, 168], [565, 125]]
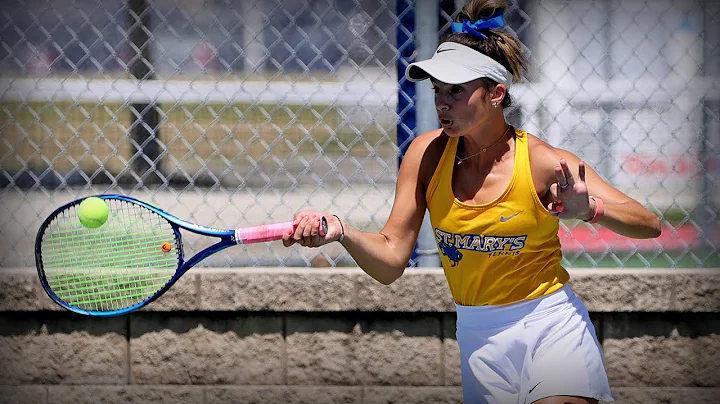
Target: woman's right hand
[[307, 229]]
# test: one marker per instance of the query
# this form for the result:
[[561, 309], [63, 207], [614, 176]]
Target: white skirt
[[525, 351]]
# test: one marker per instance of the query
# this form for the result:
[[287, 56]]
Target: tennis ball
[[93, 212]]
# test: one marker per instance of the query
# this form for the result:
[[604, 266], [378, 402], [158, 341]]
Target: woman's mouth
[[445, 122]]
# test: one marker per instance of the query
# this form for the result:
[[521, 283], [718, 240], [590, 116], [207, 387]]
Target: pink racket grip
[[270, 232]]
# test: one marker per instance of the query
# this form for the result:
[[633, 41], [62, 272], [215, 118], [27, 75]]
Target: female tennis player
[[495, 194]]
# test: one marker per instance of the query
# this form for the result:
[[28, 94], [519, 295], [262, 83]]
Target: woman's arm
[[382, 255], [622, 214]]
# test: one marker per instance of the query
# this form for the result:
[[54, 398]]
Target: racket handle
[[270, 232]]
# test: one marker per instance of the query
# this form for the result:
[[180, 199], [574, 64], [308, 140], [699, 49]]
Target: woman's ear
[[498, 94]]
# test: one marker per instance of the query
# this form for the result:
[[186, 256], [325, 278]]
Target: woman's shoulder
[[427, 145], [535, 144], [430, 138], [540, 149], [543, 158], [425, 151]]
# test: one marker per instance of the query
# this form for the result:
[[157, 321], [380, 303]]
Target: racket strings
[[115, 266]]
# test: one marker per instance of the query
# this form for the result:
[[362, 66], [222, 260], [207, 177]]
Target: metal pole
[[707, 208], [406, 94], [253, 40], [426, 37], [406, 126], [607, 108], [145, 117]]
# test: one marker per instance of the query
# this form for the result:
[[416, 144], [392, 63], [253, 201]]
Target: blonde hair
[[501, 46]]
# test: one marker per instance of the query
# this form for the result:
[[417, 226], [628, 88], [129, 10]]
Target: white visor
[[454, 63]]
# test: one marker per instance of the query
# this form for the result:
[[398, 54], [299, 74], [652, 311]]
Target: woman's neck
[[485, 139]]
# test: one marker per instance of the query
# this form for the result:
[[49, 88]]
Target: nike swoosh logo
[[444, 50], [530, 391], [505, 219]]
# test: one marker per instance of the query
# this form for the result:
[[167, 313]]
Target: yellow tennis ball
[[93, 212]]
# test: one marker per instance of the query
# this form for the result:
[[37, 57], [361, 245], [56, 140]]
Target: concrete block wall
[[281, 335]]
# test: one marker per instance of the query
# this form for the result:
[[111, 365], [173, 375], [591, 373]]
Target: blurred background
[[235, 113]]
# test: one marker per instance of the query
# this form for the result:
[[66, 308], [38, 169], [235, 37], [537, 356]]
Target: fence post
[[145, 118], [406, 125], [253, 21], [706, 209], [426, 37]]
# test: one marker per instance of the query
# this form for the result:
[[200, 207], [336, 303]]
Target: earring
[[495, 104]]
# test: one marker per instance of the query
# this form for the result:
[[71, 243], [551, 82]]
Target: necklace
[[484, 149]]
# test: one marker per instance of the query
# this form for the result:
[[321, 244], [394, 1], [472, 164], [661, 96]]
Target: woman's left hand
[[570, 196]]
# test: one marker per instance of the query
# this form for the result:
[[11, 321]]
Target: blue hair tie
[[496, 21]]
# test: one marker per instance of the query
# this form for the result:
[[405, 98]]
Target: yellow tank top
[[500, 252]]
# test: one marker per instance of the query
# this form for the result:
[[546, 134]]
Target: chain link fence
[[235, 113]]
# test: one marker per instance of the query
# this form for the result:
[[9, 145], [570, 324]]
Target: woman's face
[[461, 107]]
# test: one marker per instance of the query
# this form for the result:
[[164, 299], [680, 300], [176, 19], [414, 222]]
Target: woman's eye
[[457, 89]]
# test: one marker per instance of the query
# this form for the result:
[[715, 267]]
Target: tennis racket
[[129, 261]]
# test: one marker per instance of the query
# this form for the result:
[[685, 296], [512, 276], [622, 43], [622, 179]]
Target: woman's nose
[[441, 104]]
